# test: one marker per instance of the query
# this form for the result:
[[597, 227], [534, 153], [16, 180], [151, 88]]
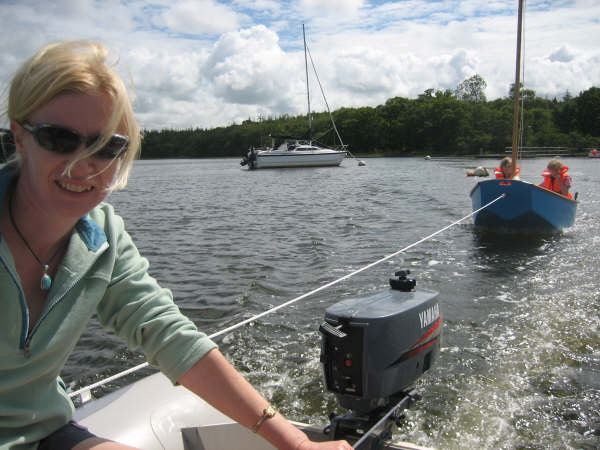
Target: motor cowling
[[249, 158], [377, 346]]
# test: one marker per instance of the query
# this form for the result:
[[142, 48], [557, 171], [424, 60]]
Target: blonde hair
[[506, 161], [79, 67], [555, 163]]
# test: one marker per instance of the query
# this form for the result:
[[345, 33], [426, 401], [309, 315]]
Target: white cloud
[[200, 17], [178, 76], [340, 8], [270, 6], [554, 77], [249, 67], [209, 63], [562, 54]]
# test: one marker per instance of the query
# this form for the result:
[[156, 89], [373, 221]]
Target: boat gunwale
[[540, 188]]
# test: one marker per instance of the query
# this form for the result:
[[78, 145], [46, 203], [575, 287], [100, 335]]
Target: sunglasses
[[59, 139]]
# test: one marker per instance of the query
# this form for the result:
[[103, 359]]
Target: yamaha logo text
[[430, 315]]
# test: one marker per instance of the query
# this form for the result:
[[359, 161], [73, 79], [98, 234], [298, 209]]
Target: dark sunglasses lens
[[57, 139], [114, 148]]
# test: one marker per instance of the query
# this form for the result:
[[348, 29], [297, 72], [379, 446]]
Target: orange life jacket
[[500, 175], [553, 184]]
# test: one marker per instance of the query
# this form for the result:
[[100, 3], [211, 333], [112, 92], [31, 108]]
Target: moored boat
[[295, 153]]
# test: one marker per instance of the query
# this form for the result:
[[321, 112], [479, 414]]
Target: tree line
[[450, 122]]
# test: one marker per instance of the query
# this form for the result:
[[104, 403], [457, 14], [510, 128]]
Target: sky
[[208, 63]]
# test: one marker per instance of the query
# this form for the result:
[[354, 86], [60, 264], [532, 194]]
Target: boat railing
[[533, 152]]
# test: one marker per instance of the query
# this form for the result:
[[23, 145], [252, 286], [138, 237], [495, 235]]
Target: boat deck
[[155, 415]]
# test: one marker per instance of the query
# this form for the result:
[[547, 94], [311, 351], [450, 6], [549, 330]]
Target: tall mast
[[307, 89], [517, 90]]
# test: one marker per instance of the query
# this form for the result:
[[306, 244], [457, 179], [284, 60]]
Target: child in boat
[[506, 170], [66, 256], [556, 178]]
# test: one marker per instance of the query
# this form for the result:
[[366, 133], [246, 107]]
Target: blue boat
[[525, 207]]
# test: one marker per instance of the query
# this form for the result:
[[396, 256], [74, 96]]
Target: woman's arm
[[215, 380]]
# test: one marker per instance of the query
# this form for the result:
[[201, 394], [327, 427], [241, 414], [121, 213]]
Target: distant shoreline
[[371, 155]]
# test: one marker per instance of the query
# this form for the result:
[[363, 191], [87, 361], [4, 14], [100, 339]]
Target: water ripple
[[521, 353]]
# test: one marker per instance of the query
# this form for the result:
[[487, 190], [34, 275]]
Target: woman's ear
[[18, 133]]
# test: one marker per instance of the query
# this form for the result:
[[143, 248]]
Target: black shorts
[[66, 437]]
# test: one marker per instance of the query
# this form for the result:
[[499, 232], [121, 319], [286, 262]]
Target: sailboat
[[297, 152], [519, 206]]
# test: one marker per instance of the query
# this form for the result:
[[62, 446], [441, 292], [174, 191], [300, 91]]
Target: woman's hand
[[215, 380]]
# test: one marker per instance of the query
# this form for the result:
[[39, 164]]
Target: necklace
[[46, 280]]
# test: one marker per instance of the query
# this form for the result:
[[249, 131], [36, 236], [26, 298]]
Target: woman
[[65, 255]]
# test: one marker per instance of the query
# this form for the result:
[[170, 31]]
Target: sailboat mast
[[307, 89], [517, 90]]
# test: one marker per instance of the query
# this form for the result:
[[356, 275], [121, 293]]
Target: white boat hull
[[152, 414], [284, 158]]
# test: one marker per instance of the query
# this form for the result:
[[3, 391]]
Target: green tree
[[588, 111], [436, 122], [472, 89]]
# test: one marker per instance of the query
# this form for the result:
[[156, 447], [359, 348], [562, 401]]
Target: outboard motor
[[374, 349], [249, 158]]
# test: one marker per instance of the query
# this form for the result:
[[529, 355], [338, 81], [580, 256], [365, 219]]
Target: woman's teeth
[[74, 187]]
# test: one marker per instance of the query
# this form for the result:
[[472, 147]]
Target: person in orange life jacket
[[506, 170], [556, 178]]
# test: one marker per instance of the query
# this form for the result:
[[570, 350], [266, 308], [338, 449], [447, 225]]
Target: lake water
[[520, 361]]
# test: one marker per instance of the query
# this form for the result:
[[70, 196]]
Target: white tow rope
[[85, 392]]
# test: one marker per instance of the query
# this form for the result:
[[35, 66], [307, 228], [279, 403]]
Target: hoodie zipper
[[23, 304], [27, 343], [26, 335], [37, 324]]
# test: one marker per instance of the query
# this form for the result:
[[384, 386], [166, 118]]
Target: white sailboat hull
[[298, 158]]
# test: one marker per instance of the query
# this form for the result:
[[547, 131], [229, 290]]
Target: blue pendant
[[46, 281]]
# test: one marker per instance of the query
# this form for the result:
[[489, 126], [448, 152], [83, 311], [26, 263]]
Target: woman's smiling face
[[43, 175]]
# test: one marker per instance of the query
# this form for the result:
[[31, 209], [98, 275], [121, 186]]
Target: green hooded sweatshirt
[[102, 273]]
